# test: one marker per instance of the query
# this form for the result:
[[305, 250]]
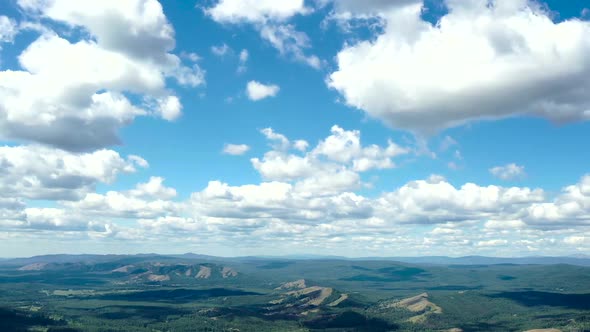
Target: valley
[[194, 293]]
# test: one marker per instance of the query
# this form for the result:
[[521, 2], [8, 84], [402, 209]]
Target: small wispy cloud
[[508, 172], [235, 149], [244, 56], [220, 50]]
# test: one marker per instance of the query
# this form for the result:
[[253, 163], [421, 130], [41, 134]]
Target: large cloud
[[76, 95], [482, 60], [148, 200], [467, 219], [37, 172], [309, 196], [437, 201], [275, 201]]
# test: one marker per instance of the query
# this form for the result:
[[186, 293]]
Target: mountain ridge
[[579, 260]]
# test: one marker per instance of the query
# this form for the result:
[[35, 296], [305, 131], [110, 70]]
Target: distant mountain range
[[579, 260]]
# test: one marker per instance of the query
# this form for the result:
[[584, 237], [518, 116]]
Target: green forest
[[165, 293]]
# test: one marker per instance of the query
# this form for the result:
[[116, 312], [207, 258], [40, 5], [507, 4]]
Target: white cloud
[[40, 218], [344, 146], [508, 172], [290, 42], [437, 201], [255, 11], [577, 240], [154, 188], [138, 161], [235, 149], [453, 166], [337, 158], [220, 50], [134, 204], [281, 166], [504, 224], [96, 214], [169, 108], [469, 219], [492, 243], [272, 201], [188, 76], [194, 57], [8, 29], [572, 207], [37, 172], [518, 62], [136, 27], [446, 143], [341, 146], [243, 59], [81, 87], [258, 91], [244, 56], [282, 142], [300, 145], [308, 196], [329, 182], [269, 18], [347, 11]]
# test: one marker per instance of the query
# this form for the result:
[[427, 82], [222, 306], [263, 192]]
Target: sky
[[328, 127]]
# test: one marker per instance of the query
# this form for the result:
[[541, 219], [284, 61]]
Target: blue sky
[[236, 127]]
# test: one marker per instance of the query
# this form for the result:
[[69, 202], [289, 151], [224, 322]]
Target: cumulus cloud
[[52, 218], [338, 157], [94, 214], [571, 207], [273, 200], [258, 91], [37, 172], [154, 188], [508, 172], [74, 94], [344, 146], [437, 201], [466, 219], [280, 141], [235, 149], [518, 61], [309, 194], [114, 204]]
